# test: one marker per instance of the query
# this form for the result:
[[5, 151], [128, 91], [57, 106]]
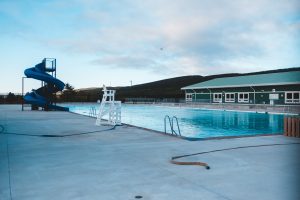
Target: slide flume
[[43, 97]]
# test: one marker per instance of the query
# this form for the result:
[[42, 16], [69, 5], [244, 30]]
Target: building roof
[[280, 78]]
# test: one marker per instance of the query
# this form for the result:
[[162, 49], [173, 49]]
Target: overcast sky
[[109, 42]]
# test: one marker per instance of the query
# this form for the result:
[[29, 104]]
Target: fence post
[[289, 126], [285, 125], [292, 126]]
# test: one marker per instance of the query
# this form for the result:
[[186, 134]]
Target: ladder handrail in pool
[[168, 117], [171, 122], [92, 112], [178, 129]]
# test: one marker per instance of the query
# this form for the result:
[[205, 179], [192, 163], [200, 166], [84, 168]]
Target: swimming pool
[[196, 123]]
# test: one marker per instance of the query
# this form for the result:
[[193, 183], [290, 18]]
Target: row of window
[[230, 97], [188, 97], [290, 97]]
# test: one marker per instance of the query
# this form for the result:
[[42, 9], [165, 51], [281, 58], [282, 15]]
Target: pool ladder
[[171, 123], [92, 112]]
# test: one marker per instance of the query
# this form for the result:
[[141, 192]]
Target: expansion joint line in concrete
[[8, 167]]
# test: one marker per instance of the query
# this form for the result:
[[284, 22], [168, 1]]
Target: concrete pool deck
[[127, 162]]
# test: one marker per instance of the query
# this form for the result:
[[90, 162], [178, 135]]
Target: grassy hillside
[[168, 88]]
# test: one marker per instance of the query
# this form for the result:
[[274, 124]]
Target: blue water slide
[[42, 96]]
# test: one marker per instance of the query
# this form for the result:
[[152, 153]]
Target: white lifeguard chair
[[111, 107]]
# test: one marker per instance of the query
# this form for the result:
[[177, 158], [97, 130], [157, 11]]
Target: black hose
[[218, 150], [66, 135]]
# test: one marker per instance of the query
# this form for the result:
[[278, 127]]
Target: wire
[[2, 129], [55, 135], [173, 159], [8, 167]]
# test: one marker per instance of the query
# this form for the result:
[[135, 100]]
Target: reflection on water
[[197, 122], [227, 123]]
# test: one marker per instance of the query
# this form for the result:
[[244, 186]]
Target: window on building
[[217, 97], [292, 97], [229, 97], [243, 97], [188, 97]]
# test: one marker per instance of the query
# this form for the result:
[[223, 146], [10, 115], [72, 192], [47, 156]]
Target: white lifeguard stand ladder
[[111, 107]]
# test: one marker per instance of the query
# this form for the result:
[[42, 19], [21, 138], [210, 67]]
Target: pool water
[[196, 123]]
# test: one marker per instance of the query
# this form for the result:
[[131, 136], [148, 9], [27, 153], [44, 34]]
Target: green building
[[273, 88]]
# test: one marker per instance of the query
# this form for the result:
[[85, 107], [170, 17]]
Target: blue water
[[197, 123]]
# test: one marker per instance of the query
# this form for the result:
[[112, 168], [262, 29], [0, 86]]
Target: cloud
[[125, 62], [196, 36], [199, 35]]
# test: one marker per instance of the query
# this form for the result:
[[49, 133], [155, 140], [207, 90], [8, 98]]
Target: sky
[[108, 42]]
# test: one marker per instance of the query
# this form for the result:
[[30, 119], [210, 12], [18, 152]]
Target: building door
[[217, 97]]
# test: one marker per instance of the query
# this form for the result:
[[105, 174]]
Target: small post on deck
[[23, 92]]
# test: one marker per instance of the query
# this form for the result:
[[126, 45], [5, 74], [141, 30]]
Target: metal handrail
[[92, 112], [171, 122], [178, 129]]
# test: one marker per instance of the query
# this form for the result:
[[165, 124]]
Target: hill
[[162, 89]]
